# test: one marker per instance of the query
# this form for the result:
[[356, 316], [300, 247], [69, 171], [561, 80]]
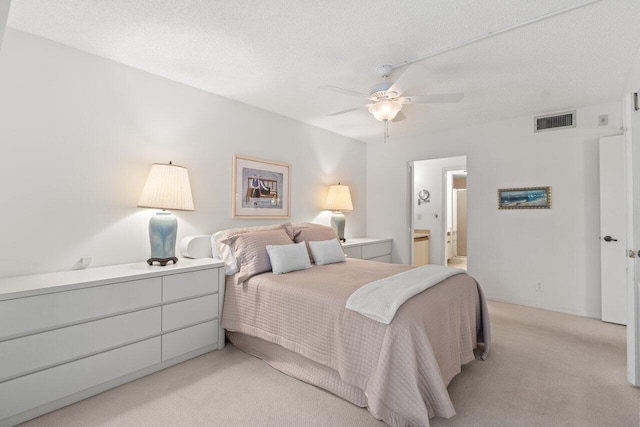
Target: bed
[[297, 323]]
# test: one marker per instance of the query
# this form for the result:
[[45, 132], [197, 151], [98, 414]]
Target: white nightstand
[[69, 335], [369, 248]]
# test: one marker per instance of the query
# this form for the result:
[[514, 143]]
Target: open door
[[460, 211], [613, 229]]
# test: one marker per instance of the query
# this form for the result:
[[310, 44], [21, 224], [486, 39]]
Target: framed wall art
[[261, 188], [524, 198]]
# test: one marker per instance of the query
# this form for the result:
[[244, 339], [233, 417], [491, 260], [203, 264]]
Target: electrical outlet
[[540, 287], [83, 263], [603, 120]]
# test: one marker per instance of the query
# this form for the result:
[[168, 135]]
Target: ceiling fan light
[[385, 110]]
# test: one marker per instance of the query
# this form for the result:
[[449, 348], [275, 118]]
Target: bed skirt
[[299, 367]]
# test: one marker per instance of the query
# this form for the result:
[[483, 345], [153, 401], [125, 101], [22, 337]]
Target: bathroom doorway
[[431, 211], [457, 253]]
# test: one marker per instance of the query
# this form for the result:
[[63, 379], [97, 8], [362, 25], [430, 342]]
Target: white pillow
[[287, 258], [327, 252], [223, 251]]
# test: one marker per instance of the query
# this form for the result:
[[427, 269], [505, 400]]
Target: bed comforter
[[403, 368]]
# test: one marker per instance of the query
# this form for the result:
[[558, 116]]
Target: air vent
[[554, 122]]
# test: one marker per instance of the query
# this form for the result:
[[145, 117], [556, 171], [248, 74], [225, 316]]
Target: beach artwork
[[260, 188], [524, 198]]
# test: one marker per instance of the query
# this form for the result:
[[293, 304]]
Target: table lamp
[[167, 187], [338, 200]]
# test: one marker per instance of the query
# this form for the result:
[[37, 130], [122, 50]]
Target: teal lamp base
[[163, 228], [337, 222]]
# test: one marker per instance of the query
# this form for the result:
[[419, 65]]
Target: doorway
[[432, 214], [457, 220]]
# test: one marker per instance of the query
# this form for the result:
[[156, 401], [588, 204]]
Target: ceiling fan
[[388, 98]]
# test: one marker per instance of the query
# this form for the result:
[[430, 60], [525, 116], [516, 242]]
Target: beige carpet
[[545, 369]]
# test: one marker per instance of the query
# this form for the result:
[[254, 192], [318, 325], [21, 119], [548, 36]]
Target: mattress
[[399, 371]]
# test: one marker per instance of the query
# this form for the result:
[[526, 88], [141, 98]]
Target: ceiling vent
[[554, 122]]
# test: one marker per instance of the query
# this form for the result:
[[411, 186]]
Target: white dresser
[[369, 248], [69, 335]]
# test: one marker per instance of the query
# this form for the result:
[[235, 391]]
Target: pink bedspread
[[403, 368]]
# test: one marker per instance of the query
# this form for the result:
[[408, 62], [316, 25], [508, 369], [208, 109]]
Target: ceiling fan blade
[[399, 117], [344, 91], [435, 98], [413, 76], [346, 111]]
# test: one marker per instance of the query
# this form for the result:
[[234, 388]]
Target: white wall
[[78, 135], [428, 175], [510, 250]]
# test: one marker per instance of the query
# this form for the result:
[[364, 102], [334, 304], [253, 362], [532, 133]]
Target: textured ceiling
[[275, 54]]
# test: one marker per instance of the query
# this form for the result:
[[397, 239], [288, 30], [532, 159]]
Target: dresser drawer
[[33, 390], [34, 352], [63, 308], [189, 339], [383, 258], [376, 250], [354, 252], [185, 285], [188, 312]]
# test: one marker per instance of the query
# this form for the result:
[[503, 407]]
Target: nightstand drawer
[[376, 250], [353, 252], [188, 312], [185, 285], [63, 308], [27, 354], [46, 386], [189, 339]]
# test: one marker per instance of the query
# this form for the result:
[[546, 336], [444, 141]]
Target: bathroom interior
[[439, 206]]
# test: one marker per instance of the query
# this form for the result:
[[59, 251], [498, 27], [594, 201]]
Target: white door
[[461, 222], [613, 229], [454, 224]]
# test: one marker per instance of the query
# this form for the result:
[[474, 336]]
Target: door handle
[[609, 239]]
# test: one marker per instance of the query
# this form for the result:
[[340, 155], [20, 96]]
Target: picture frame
[[261, 188], [524, 198]]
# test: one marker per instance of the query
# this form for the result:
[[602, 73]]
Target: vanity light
[[167, 187], [338, 200]]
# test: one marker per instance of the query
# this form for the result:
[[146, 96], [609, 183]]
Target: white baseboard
[[593, 315]]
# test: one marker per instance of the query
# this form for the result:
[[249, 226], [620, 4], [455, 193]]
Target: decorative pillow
[[297, 227], [308, 232], [287, 258], [250, 250], [327, 252], [223, 251]]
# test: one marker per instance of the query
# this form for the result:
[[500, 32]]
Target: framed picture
[[261, 188], [524, 198]]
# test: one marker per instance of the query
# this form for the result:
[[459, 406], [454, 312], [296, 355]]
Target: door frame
[[445, 205], [410, 201], [633, 235]]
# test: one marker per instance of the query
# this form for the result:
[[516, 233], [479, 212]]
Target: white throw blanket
[[381, 299]]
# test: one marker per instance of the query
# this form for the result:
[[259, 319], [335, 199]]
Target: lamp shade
[[167, 187], [385, 110], [339, 198]]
